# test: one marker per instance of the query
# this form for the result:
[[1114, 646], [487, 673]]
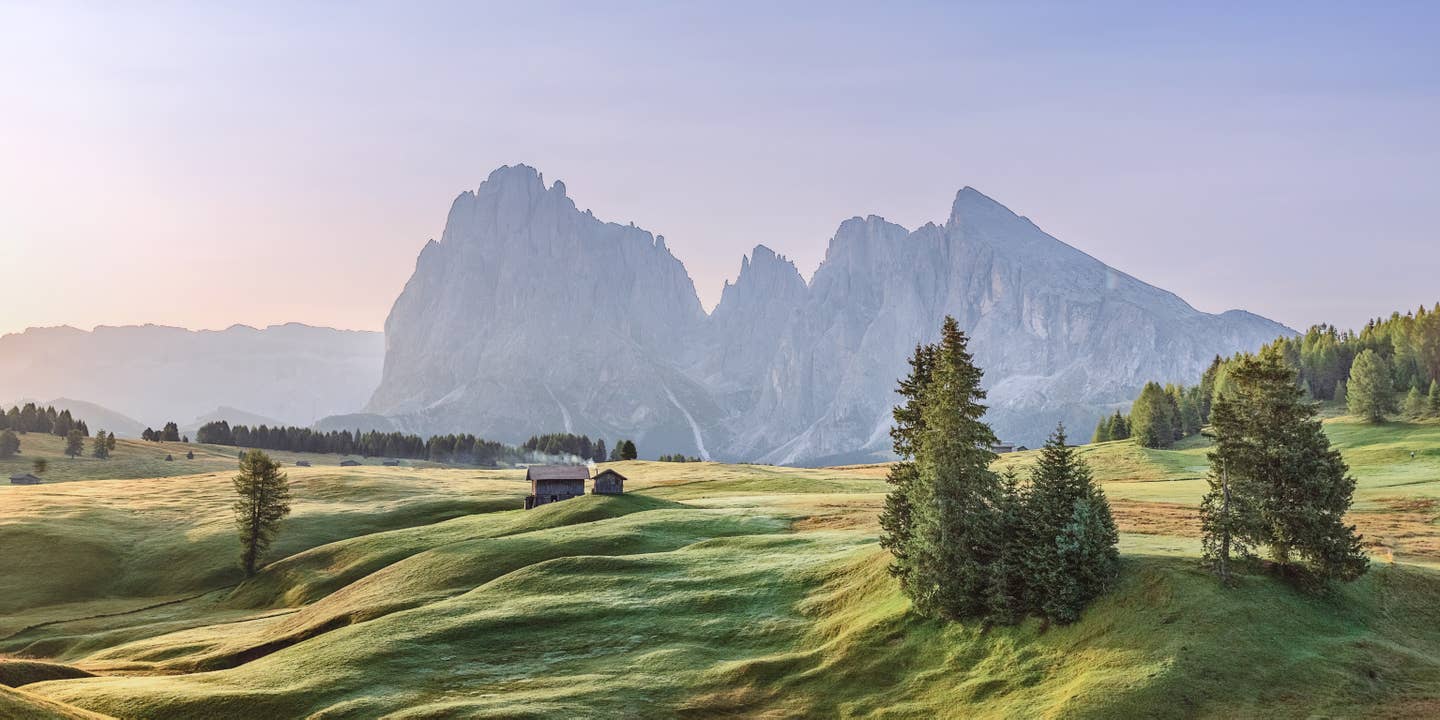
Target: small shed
[[24, 479], [169, 458], [392, 463], [348, 463], [302, 463], [1002, 448], [553, 483], [608, 482]]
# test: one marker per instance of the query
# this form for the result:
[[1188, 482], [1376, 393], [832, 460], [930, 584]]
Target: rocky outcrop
[[531, 316]]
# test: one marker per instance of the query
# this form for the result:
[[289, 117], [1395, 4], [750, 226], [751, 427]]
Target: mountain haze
[[531, 315], [154, 374]]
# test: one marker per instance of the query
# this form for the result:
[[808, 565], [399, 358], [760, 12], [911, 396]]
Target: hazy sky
[[202, 165]]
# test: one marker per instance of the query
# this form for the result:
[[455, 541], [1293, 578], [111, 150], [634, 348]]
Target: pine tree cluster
[[32, 418], [969, 542]]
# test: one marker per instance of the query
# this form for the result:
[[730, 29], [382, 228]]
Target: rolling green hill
[[706, 591]]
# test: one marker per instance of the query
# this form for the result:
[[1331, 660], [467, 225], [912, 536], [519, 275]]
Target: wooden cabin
[[348, 463], [24, 479], [608, 482], [392, 463], [302, 463], [553, 483], [1002, 448]]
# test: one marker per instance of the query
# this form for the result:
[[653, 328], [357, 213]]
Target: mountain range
[[530, 315]]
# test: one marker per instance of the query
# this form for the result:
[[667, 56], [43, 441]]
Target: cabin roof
[[23, 476], [607, 471], [557, 472]]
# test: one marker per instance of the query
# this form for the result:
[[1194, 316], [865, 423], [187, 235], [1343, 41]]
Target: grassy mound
[[15, 673], [20, 705]]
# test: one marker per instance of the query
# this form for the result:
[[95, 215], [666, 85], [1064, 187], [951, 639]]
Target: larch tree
[[1370, 392], [1151, 422], [264, 500], [100, 445], [1102, 431]]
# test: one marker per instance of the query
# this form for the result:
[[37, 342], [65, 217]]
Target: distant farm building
[[169, 458], [609, 482], [24, 479], [392, 463], [302, 463], [348, 463], [553, 483], [1002, 448]]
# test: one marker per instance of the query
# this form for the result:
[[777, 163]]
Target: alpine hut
[[553, 483], [608, 482]]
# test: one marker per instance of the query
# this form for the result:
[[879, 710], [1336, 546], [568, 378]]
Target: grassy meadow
[[707, 590]]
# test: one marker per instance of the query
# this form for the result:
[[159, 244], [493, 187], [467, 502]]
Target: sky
[[202, 164]]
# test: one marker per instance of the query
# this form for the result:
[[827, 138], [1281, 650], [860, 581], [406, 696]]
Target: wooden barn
[[24, 479], [302, 463], [608, 482], [392, 463], [553, 483], [348, 463]]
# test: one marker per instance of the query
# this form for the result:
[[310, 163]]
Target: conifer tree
[[1005, 600], [1434, 402], [74, 444], [264, 500], [9, 444], [1119, 427], [39, 465], [1275, 480], [1069, 536], [100, 445], [896, 531], [1102, 431], [1416, 404], [1150, 418], [1341, 392], [599, 454], [955, 531], [628, 451], [1370, 390]]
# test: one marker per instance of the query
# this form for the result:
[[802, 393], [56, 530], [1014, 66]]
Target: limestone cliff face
[[531, 316]]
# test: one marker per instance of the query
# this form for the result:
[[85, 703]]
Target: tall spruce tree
[[1275, 480], [1068, 535], [9, 444], [956, 533], [896, 532], [1370, 392], [264, 500], [1119, 427], [100, 445]]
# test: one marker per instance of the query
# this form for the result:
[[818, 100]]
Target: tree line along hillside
[[1390, 367], [30, 418], [453, 448]]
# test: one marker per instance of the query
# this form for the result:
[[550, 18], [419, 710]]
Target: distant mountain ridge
[[154, 374], [531, 315]]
